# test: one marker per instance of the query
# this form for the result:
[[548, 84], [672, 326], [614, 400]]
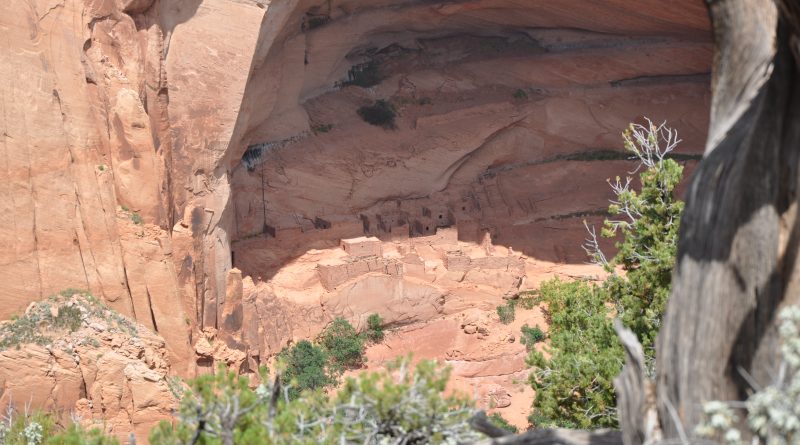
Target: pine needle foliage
[[401, 405], [306, 368], [374, 332], [343, 344], [574, 380]]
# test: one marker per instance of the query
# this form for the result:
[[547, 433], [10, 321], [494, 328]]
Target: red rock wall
[[116, 108]]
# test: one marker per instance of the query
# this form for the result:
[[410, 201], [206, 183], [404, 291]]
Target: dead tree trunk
[[737, 254], [737, 262]]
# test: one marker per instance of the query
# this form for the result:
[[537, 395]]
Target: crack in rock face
[[235, 174]]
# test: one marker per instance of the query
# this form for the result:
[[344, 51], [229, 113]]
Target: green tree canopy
[[574, 381], [306, 367], [344, 345]]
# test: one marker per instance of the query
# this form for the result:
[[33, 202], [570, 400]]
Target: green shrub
[[649, 242], [77, 435], [72, 307], [374, 332], [21, 330], [69, 317], [27, 429], [381, 114], [41, 428], [520, 94], [506, 312], [403, 406], [134, 216], [574, 385], [68, 292], [400, 405], [531, 336], [305, 368], [35, 325], [500, 422], [528, 299], [343, 345]]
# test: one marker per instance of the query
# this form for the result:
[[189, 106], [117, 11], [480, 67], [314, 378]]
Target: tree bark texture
[[737, 254], [557, 437], [737, 262]]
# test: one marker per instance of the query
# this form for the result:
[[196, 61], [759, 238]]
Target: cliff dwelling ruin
[[235, 174]]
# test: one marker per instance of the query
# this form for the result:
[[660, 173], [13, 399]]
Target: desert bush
[[69, 318], [381, 113], [400, 405], [528, 299], [21, 330], [306, 368], [42, 428], [38, 324], [531, 336], [220, 408], [72, 307], [573, 379], [26, 428], [77, 435], [137, 218], [343, 345], [499, 421], [374, 332], [507, 312], [407, 405]]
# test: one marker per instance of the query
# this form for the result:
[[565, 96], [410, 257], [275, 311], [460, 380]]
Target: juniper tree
[[574, 383]]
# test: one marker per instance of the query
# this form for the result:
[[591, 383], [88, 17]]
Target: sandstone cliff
[[71, 354], [195, 163]]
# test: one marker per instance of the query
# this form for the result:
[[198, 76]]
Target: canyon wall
[[185, 160]]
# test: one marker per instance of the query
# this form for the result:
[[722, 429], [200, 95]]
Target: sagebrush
[[401, 405]]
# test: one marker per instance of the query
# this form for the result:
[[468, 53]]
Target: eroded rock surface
[[196, 164], [72, 354]]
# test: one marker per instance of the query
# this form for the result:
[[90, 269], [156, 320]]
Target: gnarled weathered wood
[[558, 437], [739, 237], [636, 404], [479, 422]]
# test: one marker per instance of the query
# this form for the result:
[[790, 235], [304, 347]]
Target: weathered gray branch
[[558, 437], [636, 402], [739, 234], [479, 422]]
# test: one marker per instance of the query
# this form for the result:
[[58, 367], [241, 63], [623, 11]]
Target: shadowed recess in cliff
[[507, 121]]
